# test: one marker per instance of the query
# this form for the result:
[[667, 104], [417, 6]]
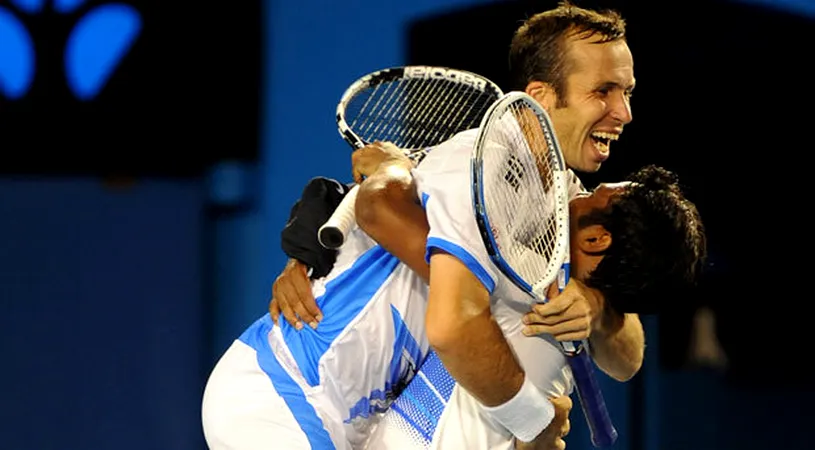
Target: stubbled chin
[[593, 157]]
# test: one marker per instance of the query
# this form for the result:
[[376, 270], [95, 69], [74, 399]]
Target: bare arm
[[461, 329], [579, 312], [618, 344], [459, 322], [388, 210], [460, 326]]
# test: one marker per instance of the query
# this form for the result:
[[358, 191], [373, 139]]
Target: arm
[[388, 210], [459, 322], [291, 291], [618, 344], [579, 312], [462, 331]]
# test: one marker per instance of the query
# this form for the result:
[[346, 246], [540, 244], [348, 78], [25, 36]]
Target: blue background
[[116, 299]]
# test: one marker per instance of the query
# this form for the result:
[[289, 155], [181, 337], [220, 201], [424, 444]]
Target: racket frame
[[603, 433], [333, 232]]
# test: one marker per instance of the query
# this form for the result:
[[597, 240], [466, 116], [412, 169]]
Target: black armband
[[320, 198]]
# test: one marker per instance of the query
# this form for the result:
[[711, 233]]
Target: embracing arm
[[460, 326], [388, 210], [461, 329], [580, 312], [618, 344], [291, 291]]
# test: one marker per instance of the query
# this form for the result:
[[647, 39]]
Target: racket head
[[520, 193], [413, 107]]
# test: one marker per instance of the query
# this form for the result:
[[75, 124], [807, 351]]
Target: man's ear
[[593, 239], [544, 93]]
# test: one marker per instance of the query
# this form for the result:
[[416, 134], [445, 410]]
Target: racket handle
[[603, 433], [333, 232]]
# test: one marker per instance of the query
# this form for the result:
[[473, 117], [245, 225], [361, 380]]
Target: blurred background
[[150, 152]]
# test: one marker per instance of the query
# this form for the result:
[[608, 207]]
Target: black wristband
[[320, 198]]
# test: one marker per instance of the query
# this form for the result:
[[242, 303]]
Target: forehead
[[619, 186], [596, 62]]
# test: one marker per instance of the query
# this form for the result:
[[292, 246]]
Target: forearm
[[388, 210], [467, 339], [479, 358], [618, 345], [472, 347]]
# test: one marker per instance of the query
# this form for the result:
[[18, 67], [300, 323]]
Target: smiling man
[[577, 64]]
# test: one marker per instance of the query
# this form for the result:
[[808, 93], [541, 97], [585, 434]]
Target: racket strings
[[418, 112], [520, 177]]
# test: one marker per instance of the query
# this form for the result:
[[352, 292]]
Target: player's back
[[369, 342]]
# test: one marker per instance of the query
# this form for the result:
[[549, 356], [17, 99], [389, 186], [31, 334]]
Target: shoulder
[[574, 185]]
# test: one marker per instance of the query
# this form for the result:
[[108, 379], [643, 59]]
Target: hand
[[551, 438], [570, 315], [291, 293], [366, 160]]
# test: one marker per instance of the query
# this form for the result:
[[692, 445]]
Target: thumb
[[552, 291]]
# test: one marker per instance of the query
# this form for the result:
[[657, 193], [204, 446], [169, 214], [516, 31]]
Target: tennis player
[[577, 64], [616, 223], [326, 387]]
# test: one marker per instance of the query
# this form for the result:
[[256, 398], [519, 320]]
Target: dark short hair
[[658, 243], [539, 52]]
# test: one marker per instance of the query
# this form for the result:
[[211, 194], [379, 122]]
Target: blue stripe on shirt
[[423, 401], [345, 296], [256, 336], [464, 256]]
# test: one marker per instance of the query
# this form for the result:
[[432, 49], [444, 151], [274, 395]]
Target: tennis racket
[[413, 107], [520, 193]]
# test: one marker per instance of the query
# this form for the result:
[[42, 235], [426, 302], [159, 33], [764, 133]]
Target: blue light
[[16, 57], [97, 45], [29, 6], [67, 6]]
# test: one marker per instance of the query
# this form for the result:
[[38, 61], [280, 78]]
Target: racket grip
[[333, 232], [603, 433]]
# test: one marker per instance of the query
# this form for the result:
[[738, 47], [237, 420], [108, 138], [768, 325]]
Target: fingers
[[356, 168], [552, 291], [292, 296], [366, 160], [553, 316], [566, 428], [282, 295], [573, 330], [305, 305], [302, 299], [563, 405], [556, 305], [274, 310], [305, 314]]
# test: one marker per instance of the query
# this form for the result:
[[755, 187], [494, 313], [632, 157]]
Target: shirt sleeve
[[443, 184]]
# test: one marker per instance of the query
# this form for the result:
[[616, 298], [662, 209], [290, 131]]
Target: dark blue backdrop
[[111, 315]]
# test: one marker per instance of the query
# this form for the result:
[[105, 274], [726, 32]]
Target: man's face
[[588, 243], [598, 199], [597, 101]]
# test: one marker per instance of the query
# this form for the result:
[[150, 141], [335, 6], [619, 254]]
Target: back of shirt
[[369, 343]]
